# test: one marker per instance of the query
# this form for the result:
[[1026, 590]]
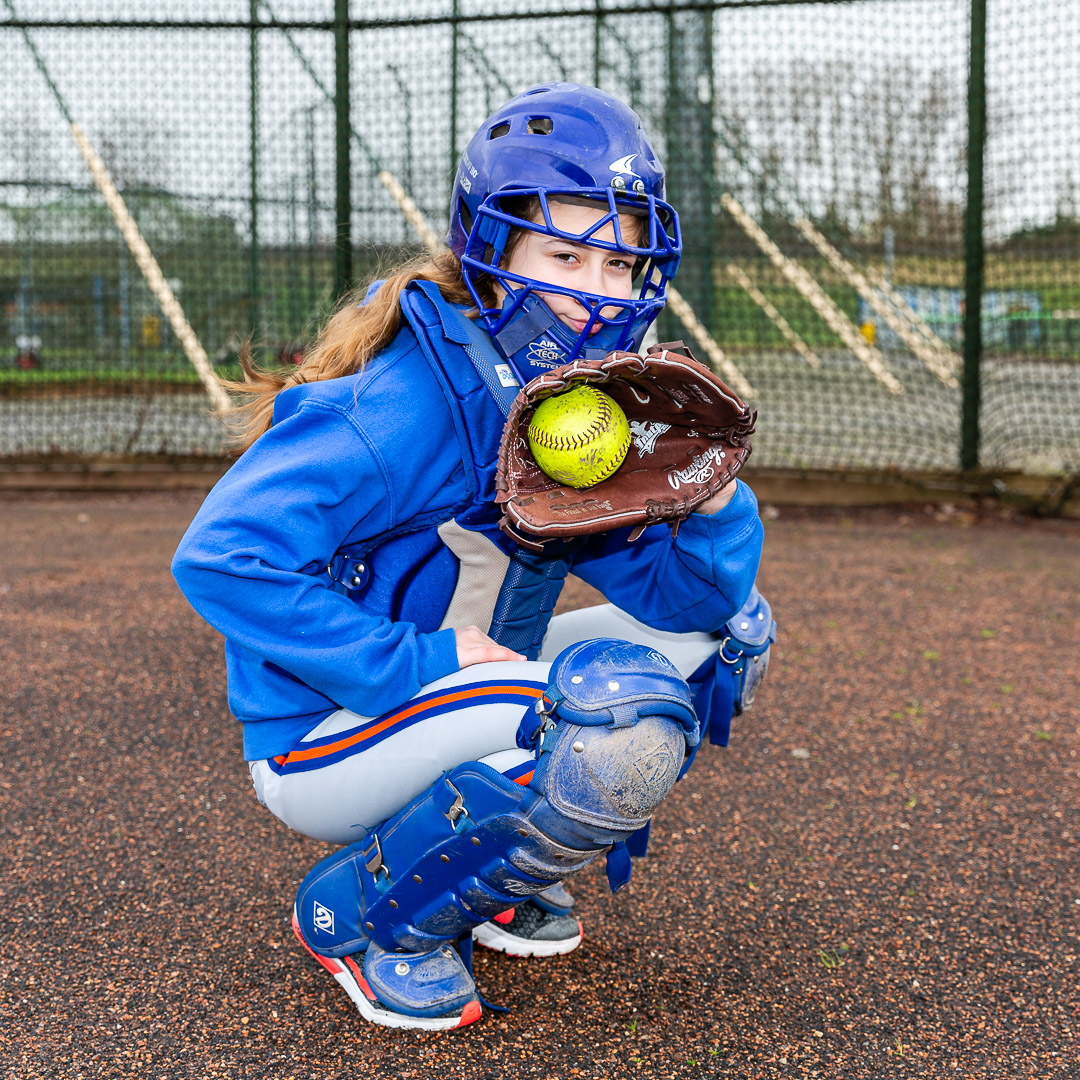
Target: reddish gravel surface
[[879, 878]]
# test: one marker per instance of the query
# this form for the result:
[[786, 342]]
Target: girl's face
[[576, 266]]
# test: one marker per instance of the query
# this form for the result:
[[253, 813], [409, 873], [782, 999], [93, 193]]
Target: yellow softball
[[579, 438]]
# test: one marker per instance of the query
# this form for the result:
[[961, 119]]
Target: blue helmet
[[562, 141]]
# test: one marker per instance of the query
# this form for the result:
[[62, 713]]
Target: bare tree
[[28, 149], [865, 145], [137, 150]]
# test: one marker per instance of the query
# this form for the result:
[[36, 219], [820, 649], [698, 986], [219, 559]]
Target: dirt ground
[[878, 878]]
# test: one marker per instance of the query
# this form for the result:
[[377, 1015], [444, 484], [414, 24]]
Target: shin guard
[[611, 735], [461, 853]]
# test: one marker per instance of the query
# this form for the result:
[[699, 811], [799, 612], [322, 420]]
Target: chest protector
[[508, 592]]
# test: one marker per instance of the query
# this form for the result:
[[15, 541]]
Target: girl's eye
[[621, 264], [564, 256]]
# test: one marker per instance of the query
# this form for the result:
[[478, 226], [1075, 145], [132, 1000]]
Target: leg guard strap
[[725, 685]]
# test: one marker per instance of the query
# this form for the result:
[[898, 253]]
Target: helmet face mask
[[553, 145], [654, 253]]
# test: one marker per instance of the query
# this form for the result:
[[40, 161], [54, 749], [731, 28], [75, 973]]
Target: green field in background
[[294, 300]]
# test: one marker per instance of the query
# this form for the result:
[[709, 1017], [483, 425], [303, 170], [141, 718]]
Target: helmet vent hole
[[498, 131], [539, 125]]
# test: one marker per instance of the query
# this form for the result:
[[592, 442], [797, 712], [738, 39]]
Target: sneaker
[[429, 991], [529, 930]]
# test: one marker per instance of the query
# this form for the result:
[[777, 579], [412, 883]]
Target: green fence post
[[312, 209], [343, 251], [690, 160], [454, 17], [598, 45], [973, 241], [666, 324], [254, 284]]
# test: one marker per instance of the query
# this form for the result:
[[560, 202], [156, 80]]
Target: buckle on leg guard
[[727, 658], [457, 810], [374, 863]]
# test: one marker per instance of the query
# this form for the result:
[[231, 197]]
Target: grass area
[[102, 379], [738, 322], [292, 304]]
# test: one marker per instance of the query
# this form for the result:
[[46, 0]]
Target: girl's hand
[[475, 647], [719, 500]]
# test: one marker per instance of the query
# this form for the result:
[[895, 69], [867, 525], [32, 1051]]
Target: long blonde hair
[[351, 337]]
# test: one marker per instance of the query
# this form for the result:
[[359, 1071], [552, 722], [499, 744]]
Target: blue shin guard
[[461, 853], [611, 734]]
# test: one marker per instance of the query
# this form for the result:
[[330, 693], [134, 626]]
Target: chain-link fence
[[879, 199]]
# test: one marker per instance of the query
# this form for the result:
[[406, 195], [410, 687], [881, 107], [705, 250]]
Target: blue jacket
[[317, 555]]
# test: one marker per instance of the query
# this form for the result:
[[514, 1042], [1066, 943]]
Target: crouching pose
[[404, 689]]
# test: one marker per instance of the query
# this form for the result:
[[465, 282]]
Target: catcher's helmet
[[562, 141]]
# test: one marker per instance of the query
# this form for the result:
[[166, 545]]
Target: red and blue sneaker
[[429, 991]]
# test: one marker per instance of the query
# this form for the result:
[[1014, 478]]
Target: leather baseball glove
[[690, 435]]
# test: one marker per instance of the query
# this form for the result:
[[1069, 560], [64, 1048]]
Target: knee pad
[[616, 722], [614, 726]]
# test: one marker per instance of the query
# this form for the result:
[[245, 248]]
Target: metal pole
[[689, 159], [973, 241], [666, 326], [454, 16], [598, 33], [295, 310], [406, 101], [124, 289], [253, 251], [343, 254], [312, 223], [706, 97]]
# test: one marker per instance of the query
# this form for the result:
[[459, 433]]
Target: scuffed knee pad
[[606, 681], [612, 779], [619, 720]]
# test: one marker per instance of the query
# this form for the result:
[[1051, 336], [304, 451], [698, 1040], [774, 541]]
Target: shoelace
[[465, 950]]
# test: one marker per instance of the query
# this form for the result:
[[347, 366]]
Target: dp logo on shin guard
[[323, 918]]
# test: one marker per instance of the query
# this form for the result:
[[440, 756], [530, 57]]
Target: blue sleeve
[[253, 563], [695, 581]]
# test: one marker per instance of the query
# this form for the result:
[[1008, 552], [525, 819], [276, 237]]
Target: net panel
[[1031, 305], [817, 153]]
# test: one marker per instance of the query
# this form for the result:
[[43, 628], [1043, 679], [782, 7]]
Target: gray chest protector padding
[[482, 568], [510, 597]]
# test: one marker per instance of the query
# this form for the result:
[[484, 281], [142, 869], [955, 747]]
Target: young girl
[[384, 639]]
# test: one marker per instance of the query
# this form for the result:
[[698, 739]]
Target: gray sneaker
[[529, 930]]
